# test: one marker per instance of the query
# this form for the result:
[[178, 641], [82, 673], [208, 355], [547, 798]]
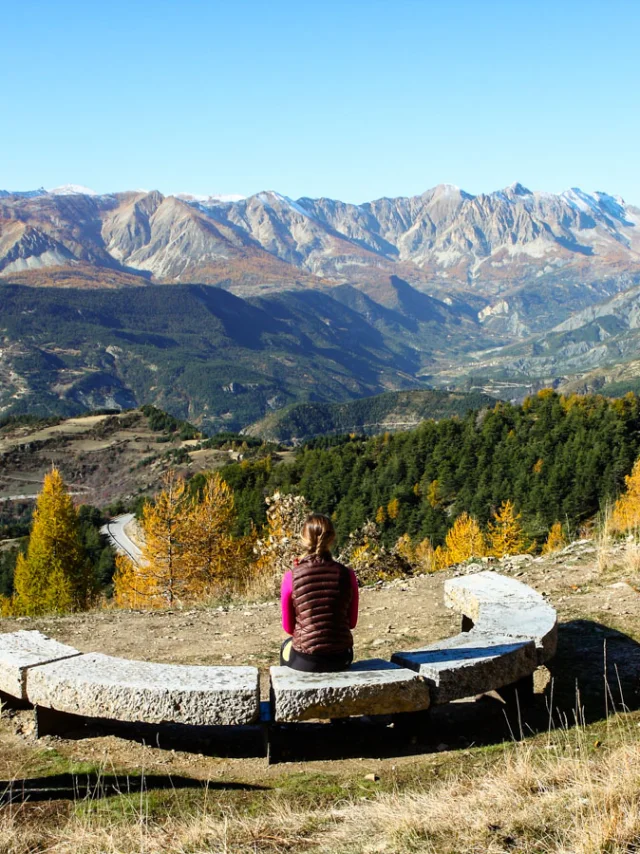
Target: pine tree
[[505, 533], [464, 540], [55, 575]]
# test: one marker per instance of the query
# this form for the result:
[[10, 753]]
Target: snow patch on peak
[[614, 205], [268, 197], [595, 203], [72, 190], [23, 194], [580, 200], [518, 189], [210, 199]]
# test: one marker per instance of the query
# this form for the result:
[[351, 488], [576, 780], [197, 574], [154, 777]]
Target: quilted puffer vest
[[321, 598]]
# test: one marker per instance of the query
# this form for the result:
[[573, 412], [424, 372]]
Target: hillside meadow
[[562, 776]]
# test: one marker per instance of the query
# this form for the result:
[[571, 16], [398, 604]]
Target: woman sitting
[[319, 598]]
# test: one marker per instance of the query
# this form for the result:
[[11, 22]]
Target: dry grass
[[631, 555], [565, 794], [604, 540], [534, 804]]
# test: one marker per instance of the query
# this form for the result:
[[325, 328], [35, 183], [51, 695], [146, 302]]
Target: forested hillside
[[558, 458], [394, 410]]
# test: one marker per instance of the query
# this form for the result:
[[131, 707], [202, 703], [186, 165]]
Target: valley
[[224, 311]]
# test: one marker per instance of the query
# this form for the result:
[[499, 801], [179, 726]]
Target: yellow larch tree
[[626, 511], [464, 540], [441, 559], [404, 548], [55, 575], [424, 556], [505, 534], [125, 585], [160, 578], [434, 497], [556, 539], [279, 544], [393, 508], [211, 553]]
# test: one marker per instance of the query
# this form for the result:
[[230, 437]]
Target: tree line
[[557, 458], [502, 481]]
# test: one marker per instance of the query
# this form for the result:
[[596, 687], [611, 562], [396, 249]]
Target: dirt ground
[[599, 615]]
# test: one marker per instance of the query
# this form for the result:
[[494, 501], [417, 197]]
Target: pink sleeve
[[286, 603], [355, 597]]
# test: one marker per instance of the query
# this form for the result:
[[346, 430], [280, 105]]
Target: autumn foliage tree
[[556, 539], [189, 551], [505, 535], [211, 553], [55, 574], [279, 544], [159, 579], [464, 540], [626, 511]]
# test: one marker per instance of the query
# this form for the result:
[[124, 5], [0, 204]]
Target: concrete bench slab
[[22, 650], [470, 663], [503, 607], [372, 687], [101, 686]]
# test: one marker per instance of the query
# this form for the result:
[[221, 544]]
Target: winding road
[[119, 539]]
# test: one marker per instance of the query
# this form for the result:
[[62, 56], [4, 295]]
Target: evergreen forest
[[557, 458]]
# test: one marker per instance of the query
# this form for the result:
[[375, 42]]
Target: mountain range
[[504, 291]]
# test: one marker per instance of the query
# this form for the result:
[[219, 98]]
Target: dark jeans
[[290, 657]]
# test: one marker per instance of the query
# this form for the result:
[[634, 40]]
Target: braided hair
[[318, 535]]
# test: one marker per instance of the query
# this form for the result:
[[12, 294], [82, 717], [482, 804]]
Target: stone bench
[[373, 687], [117, 689], [63, 683], [23, 650], [508, 630], [496, 604]]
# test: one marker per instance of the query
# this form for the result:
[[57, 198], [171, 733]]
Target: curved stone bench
[[508, 630], [20, 651], [61, 681], [101, 686], [373, 687]]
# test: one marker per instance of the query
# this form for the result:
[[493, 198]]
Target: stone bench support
[[470, 663]]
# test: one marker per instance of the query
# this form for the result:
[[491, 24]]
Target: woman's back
[[319, 598], [321, 593]]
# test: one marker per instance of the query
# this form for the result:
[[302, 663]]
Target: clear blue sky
[[353, 99]]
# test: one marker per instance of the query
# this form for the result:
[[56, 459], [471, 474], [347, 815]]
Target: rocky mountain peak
[[517, 189]]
